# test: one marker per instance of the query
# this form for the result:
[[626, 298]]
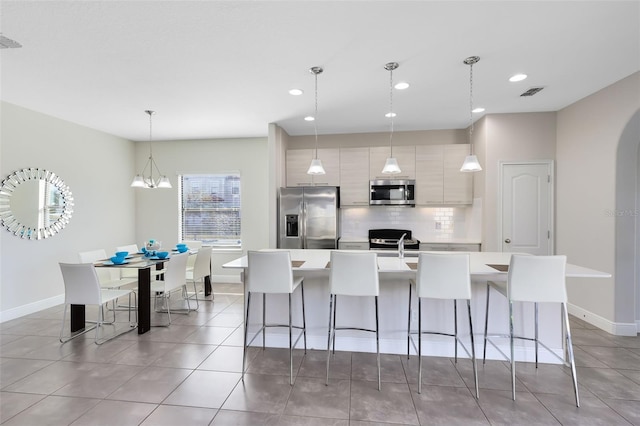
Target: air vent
[[7, 43], [532, 91]]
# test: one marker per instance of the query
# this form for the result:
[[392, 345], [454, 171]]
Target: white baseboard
[[615, 328], [31, 308]]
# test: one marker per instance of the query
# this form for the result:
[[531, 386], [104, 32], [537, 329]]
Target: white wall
[[589, 135], [98, 169], [157, 213], [508, 137]]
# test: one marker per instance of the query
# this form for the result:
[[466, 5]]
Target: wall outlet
[[414, 315], [438, 225]]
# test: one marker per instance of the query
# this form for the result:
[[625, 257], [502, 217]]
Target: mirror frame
[[13, 224]]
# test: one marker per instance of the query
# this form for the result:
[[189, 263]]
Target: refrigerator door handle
[[303, 224]]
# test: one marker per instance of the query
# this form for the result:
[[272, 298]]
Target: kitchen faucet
[[401, 246]]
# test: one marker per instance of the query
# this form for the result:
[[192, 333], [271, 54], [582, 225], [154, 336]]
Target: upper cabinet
[[458, 186], [298, 161], [429, 174], [406, 156], [435, 168], [438, 176], [354, 176]]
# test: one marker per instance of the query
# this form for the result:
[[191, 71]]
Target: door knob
[[507, 241]]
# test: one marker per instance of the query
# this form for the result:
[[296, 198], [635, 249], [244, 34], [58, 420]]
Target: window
[[210, 209]]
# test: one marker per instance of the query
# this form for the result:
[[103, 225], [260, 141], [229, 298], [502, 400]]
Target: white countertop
[[315, 260], [431, 240]]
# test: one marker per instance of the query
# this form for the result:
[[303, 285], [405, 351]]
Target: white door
[[527, 207]]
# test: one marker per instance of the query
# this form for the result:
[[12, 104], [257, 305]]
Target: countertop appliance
[[308, 217], [387, 239], [392, 192]]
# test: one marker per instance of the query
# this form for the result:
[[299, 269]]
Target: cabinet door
[[298, 161], [458, 186], [429, 174], [330, 158], [406, 156], [354, 177]]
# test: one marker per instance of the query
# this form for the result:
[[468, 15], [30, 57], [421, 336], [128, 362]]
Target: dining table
[[146, 265]]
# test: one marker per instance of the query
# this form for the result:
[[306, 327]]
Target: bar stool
[[536, 279], [269, 272], [442, 276], [352, 274]]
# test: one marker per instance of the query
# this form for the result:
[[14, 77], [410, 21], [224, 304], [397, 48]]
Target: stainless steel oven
[[392, 193]]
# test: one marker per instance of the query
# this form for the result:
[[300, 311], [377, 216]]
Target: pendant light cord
[[391, 114], [315, 116], [471, 107]]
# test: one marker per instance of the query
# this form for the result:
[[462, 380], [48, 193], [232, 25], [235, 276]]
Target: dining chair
[[174, 280], [534, 279], [269, 272], [352, 273], [442, 277], [129, 273], [82, 287], [108, 277], [201, 268]]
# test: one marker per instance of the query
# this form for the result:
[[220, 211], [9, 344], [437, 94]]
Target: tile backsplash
[[426, 223]]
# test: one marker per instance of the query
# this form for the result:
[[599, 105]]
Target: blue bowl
[[183, 249], [117, 260], [162, 254], [122, 254]]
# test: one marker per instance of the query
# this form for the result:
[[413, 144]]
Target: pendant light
[[142, 181], [471, 163], [316, 165], [391, 165]]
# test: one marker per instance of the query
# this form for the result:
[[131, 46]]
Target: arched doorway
[[627, 219]]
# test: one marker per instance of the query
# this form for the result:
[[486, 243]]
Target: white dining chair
[[108, 277], [82, 287], [269, 272], [174, 279], [442, 277], [352, 273], [201, 268], [534, 279]]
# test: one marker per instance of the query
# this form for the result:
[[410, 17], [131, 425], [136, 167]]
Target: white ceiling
[[218, 69]]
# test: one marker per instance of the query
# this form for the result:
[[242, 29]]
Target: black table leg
[[207, 285], [144, 300], [77, 318]]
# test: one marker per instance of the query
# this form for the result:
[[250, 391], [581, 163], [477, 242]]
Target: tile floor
[[189, 374]]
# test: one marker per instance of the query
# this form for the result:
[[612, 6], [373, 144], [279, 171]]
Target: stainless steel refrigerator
[[308, 217]]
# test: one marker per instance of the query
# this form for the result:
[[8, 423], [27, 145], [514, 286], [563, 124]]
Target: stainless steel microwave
[[392, 193]]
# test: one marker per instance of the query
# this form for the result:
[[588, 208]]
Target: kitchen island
[[395, 274]]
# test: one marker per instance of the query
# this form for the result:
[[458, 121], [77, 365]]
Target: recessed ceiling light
[[390, 114], [479, 109], [309, 118], [402, 85], [517, 77], [295, 92]]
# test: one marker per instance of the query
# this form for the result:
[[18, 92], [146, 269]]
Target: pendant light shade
[[142, 181], [471, 163], [316, 165], [391, 166]]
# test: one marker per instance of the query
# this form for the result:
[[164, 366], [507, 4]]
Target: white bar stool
[[442, 276], [536, 279], [352, 274], [269, 272]]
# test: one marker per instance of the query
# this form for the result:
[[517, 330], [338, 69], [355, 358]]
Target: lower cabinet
[[449, 247], [353, 245]]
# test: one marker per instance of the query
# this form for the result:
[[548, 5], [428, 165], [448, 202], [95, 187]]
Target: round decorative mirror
[[35, 204]]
